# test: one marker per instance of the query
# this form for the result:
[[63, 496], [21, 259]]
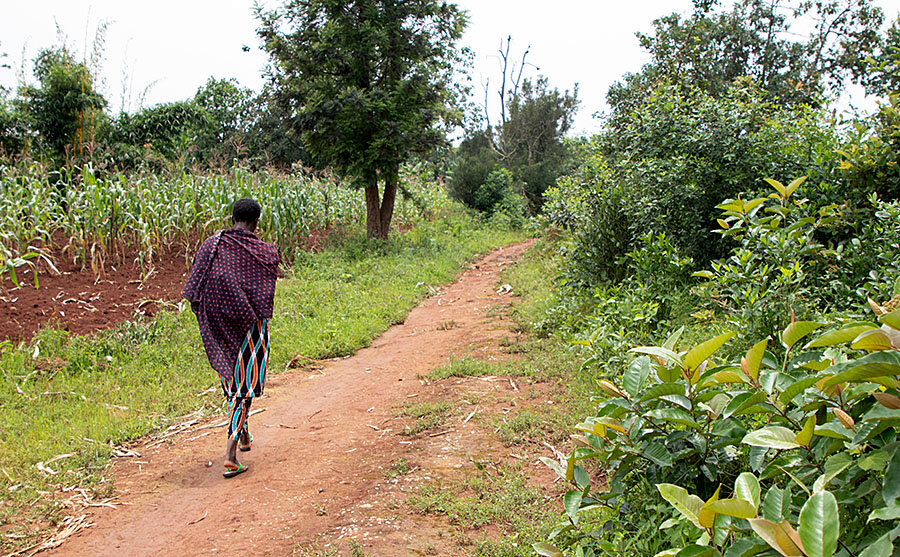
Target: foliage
[[871, 157], [368, 83], [666, 165], [764, 278], [474, 161], [168, 131], [528, 142], [63, 105], [228, 107], [593, 207], [793, 51], [821, 418], [882, 73]]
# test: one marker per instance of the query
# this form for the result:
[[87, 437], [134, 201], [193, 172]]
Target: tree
[[531, 139], [527, 139], [367, 84], [62, 107], [882, 72], [756, 38], [228, 107]]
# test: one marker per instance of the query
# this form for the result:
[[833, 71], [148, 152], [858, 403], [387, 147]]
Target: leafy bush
[[764, 277], [780, 268], [818, 426]]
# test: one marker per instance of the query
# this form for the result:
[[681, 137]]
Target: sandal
[[246, 448], [232, 472]]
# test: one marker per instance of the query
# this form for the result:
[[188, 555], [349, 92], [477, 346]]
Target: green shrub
[[817, 428]]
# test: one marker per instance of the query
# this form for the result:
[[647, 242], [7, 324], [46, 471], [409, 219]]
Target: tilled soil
[[323, 443], [84, 300], [78, 301]]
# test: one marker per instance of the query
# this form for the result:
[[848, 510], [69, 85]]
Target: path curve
[[317, 446]]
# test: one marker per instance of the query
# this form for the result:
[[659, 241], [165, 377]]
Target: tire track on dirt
[[319, 446]]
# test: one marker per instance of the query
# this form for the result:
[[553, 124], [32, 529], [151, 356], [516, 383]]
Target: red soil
[[78, 301]]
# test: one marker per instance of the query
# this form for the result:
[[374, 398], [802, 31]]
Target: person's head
[[246, 213]]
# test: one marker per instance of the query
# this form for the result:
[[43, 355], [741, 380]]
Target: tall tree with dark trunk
[[367, 85]]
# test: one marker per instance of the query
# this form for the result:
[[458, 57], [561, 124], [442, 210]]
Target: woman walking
[[231, 288]]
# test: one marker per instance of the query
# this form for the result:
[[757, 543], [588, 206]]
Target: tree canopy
[[366, 85], [794, 51]]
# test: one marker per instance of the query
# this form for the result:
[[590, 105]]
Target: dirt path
[[321, 447]]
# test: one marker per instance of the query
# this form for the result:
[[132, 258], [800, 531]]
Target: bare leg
[[237, 420]]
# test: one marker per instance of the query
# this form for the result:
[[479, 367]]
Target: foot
[[233, 468]]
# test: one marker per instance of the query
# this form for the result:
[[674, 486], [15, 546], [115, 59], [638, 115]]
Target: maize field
[[101, 220]]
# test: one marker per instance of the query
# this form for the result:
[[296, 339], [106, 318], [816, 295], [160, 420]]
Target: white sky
[[170, 48]]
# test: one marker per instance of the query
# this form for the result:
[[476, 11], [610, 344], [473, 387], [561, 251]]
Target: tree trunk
[[373, 209], [391, 179], [380, 210]]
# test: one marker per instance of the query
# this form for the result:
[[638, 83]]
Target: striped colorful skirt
[[249, 376]]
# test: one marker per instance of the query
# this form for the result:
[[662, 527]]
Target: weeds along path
[[321, 445]]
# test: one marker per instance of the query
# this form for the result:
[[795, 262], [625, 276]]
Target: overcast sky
[[169, 48]]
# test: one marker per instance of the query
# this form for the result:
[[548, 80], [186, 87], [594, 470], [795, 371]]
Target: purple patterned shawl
[[231, 286]]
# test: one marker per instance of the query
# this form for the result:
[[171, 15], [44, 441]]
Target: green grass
[[503, 498], [426, 415], [399, 467], [139, 378]]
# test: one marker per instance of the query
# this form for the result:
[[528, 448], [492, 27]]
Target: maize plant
[[97, 220]]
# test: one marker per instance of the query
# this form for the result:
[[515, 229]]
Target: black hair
[[246, 210]]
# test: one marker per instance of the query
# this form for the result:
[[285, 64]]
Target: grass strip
[[79, 395]]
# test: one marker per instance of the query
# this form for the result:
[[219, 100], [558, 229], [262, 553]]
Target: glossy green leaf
[[891, 319], [662, 389], [674, 415], [666, 354], [672, 340], [746, 487], [779, 187], [889, 512], [872, 340], [547, 549], [636, 375], [700, 353], [738, 508], [870, 366], [707, 516], [656, 452], [742, 402], [792, 187], [806, 434], [875, 461], [572, 502], [772, 437], [695, 550], [797, 330], [843, 335], [774, 505], [819, 525], [796, 388], [685, 503], [751, 363], [891, 483], [881, 548]]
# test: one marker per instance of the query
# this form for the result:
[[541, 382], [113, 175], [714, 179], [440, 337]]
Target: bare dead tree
[[509, 72]]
